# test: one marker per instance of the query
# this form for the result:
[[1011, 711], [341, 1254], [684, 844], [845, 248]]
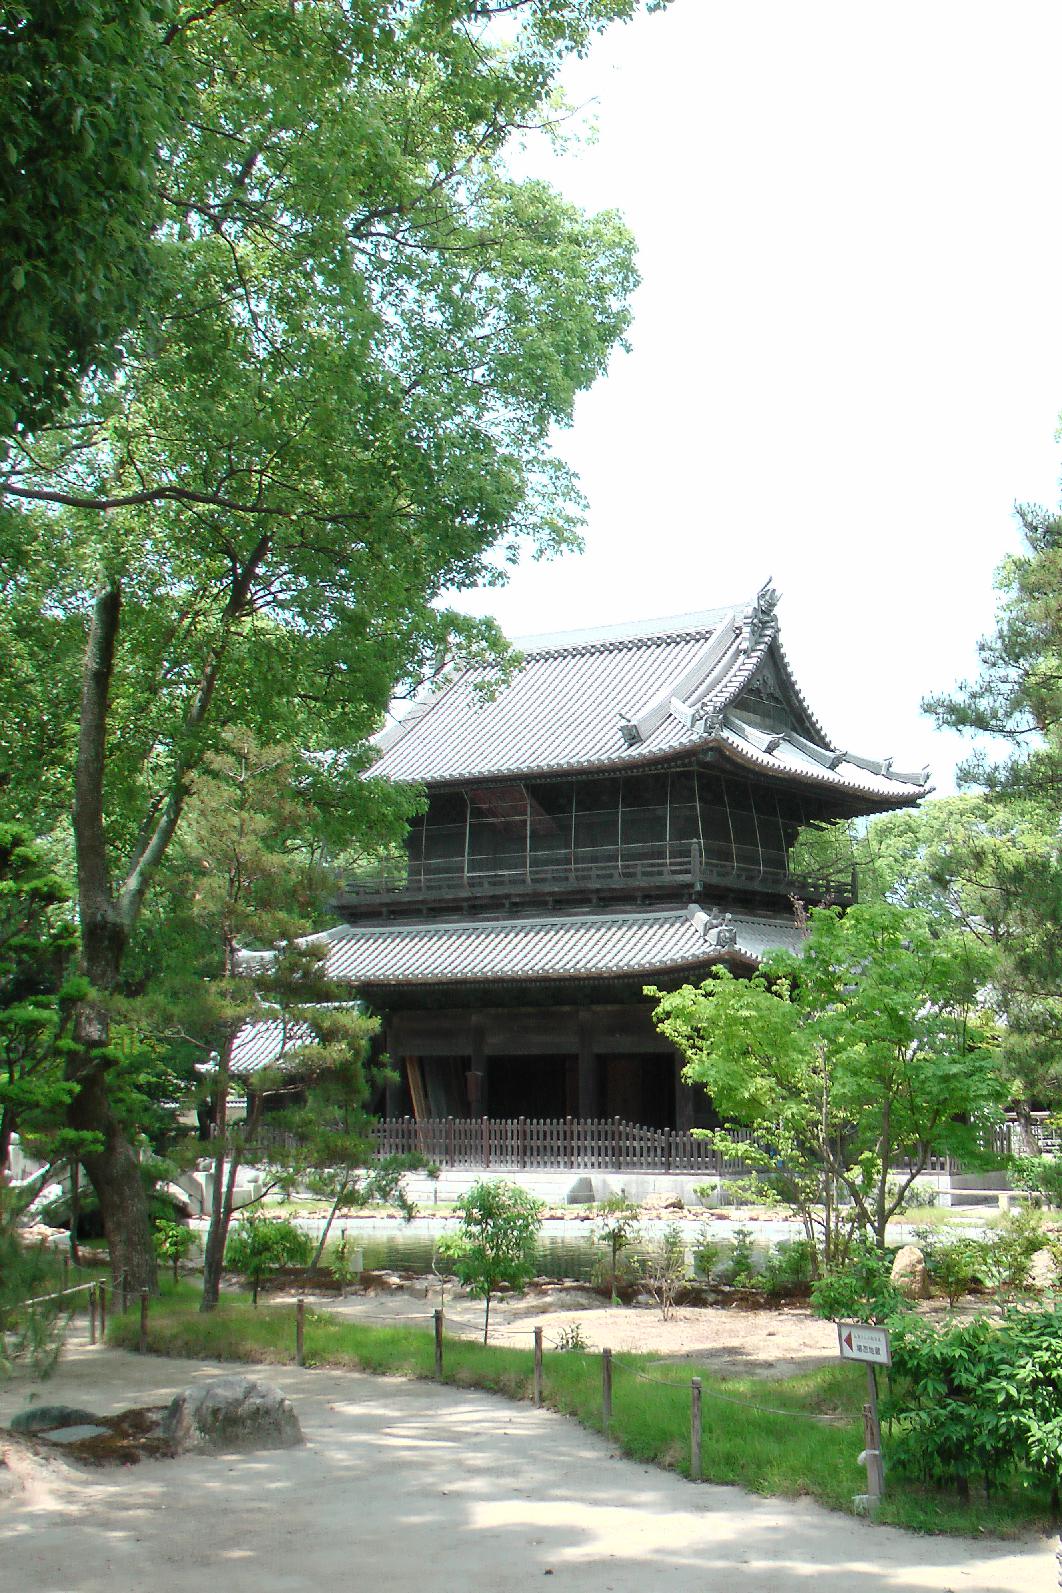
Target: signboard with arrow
[[858, 1341]]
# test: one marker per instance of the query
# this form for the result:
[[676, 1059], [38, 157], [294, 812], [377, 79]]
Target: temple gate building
[[623, 810]]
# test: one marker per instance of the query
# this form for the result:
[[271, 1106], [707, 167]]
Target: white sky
[[847, 347]]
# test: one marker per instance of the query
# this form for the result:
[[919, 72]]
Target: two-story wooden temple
[[622, 811]]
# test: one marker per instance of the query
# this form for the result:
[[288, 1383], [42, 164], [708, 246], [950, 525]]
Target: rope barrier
[[42, 1299], [734, 1399], [415, 1319]]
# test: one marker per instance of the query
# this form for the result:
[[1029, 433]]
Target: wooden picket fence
[[545, 1144]]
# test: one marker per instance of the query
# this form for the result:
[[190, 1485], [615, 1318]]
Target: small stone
[[74, 1435], [43, 1418], [909, 1273]]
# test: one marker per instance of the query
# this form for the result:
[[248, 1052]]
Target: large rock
[[909, 1273], [231, 1413], [1043, 1269]]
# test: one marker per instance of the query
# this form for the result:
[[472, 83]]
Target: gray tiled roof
[[259, 1044], [604, 946], [627, 695]]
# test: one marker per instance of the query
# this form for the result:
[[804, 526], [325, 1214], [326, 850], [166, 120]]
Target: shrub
[[706, 1253], [616, 1225], [789, 1267], [978, 1399], [944, 1425], [860, 1291], [571, 1337], [1041, 1176], [1013, 1242], [663, 1269], [173, 1241], [739, 1268], [260, 1245], [954, 1261], [496, 1241]]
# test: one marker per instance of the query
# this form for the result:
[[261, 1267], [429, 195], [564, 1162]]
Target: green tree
[[260, 1245], [616, 1225], [245, 872], [37, 945], [852, 1064], [496, 1241], [88, 92], [336, 405], [1017, 699]]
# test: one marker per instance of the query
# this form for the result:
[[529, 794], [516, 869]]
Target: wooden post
[[143, 1322], [872, 1441], [695, 1429], [485, 1129], [538, 1368], [300, 1331], [92, 1314], [606, 1390], [66, 1270], [101, 1292], [125, 1292], [438, 1346]]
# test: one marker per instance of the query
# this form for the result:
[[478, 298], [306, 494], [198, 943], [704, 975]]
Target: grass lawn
[[794, 1436]]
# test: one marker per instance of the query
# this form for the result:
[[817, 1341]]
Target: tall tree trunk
[[220, 1189], [111, 1164]]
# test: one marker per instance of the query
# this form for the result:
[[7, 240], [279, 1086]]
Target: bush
[[663, 1269], [1041, 1176], [496, 1241], [954, 1261], [789, 1267], [1013, 1242], [260, 1245], [860, 1291], [616, 1225], [173, 1241], [978, 1399], [706, 1253], [739, 1268]]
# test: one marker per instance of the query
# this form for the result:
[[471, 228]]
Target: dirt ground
[[420, 1489], [775, 1343]]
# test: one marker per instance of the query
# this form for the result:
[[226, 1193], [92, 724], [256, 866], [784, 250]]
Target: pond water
[[565, 1249]]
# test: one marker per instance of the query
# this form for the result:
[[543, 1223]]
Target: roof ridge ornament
[[716, 929], [760, 617]]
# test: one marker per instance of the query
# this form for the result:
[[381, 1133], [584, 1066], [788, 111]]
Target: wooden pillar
[[478, 1069], [684, 1096], [589, 1104], [393, 1093]]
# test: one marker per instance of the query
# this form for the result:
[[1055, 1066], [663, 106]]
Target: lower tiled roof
[[562, 947]]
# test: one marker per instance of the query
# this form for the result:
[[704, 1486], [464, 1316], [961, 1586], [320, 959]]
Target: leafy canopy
[[868, 1052], [495, 1243]]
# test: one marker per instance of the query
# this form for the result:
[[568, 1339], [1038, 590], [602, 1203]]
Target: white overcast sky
[[846, 359]]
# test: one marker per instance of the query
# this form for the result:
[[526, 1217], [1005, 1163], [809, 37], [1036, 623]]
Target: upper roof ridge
[[630, 633]]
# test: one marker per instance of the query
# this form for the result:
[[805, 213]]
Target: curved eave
[[732, 957], [889, 793], [899, 793]]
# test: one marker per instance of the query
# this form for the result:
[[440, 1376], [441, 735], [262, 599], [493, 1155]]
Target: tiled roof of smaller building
[[632, 694], [562, 947], [261, 1044]]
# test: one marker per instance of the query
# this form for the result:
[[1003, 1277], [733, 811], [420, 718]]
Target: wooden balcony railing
[[599, 870]]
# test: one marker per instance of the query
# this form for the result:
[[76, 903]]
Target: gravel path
[[415, 1489]]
